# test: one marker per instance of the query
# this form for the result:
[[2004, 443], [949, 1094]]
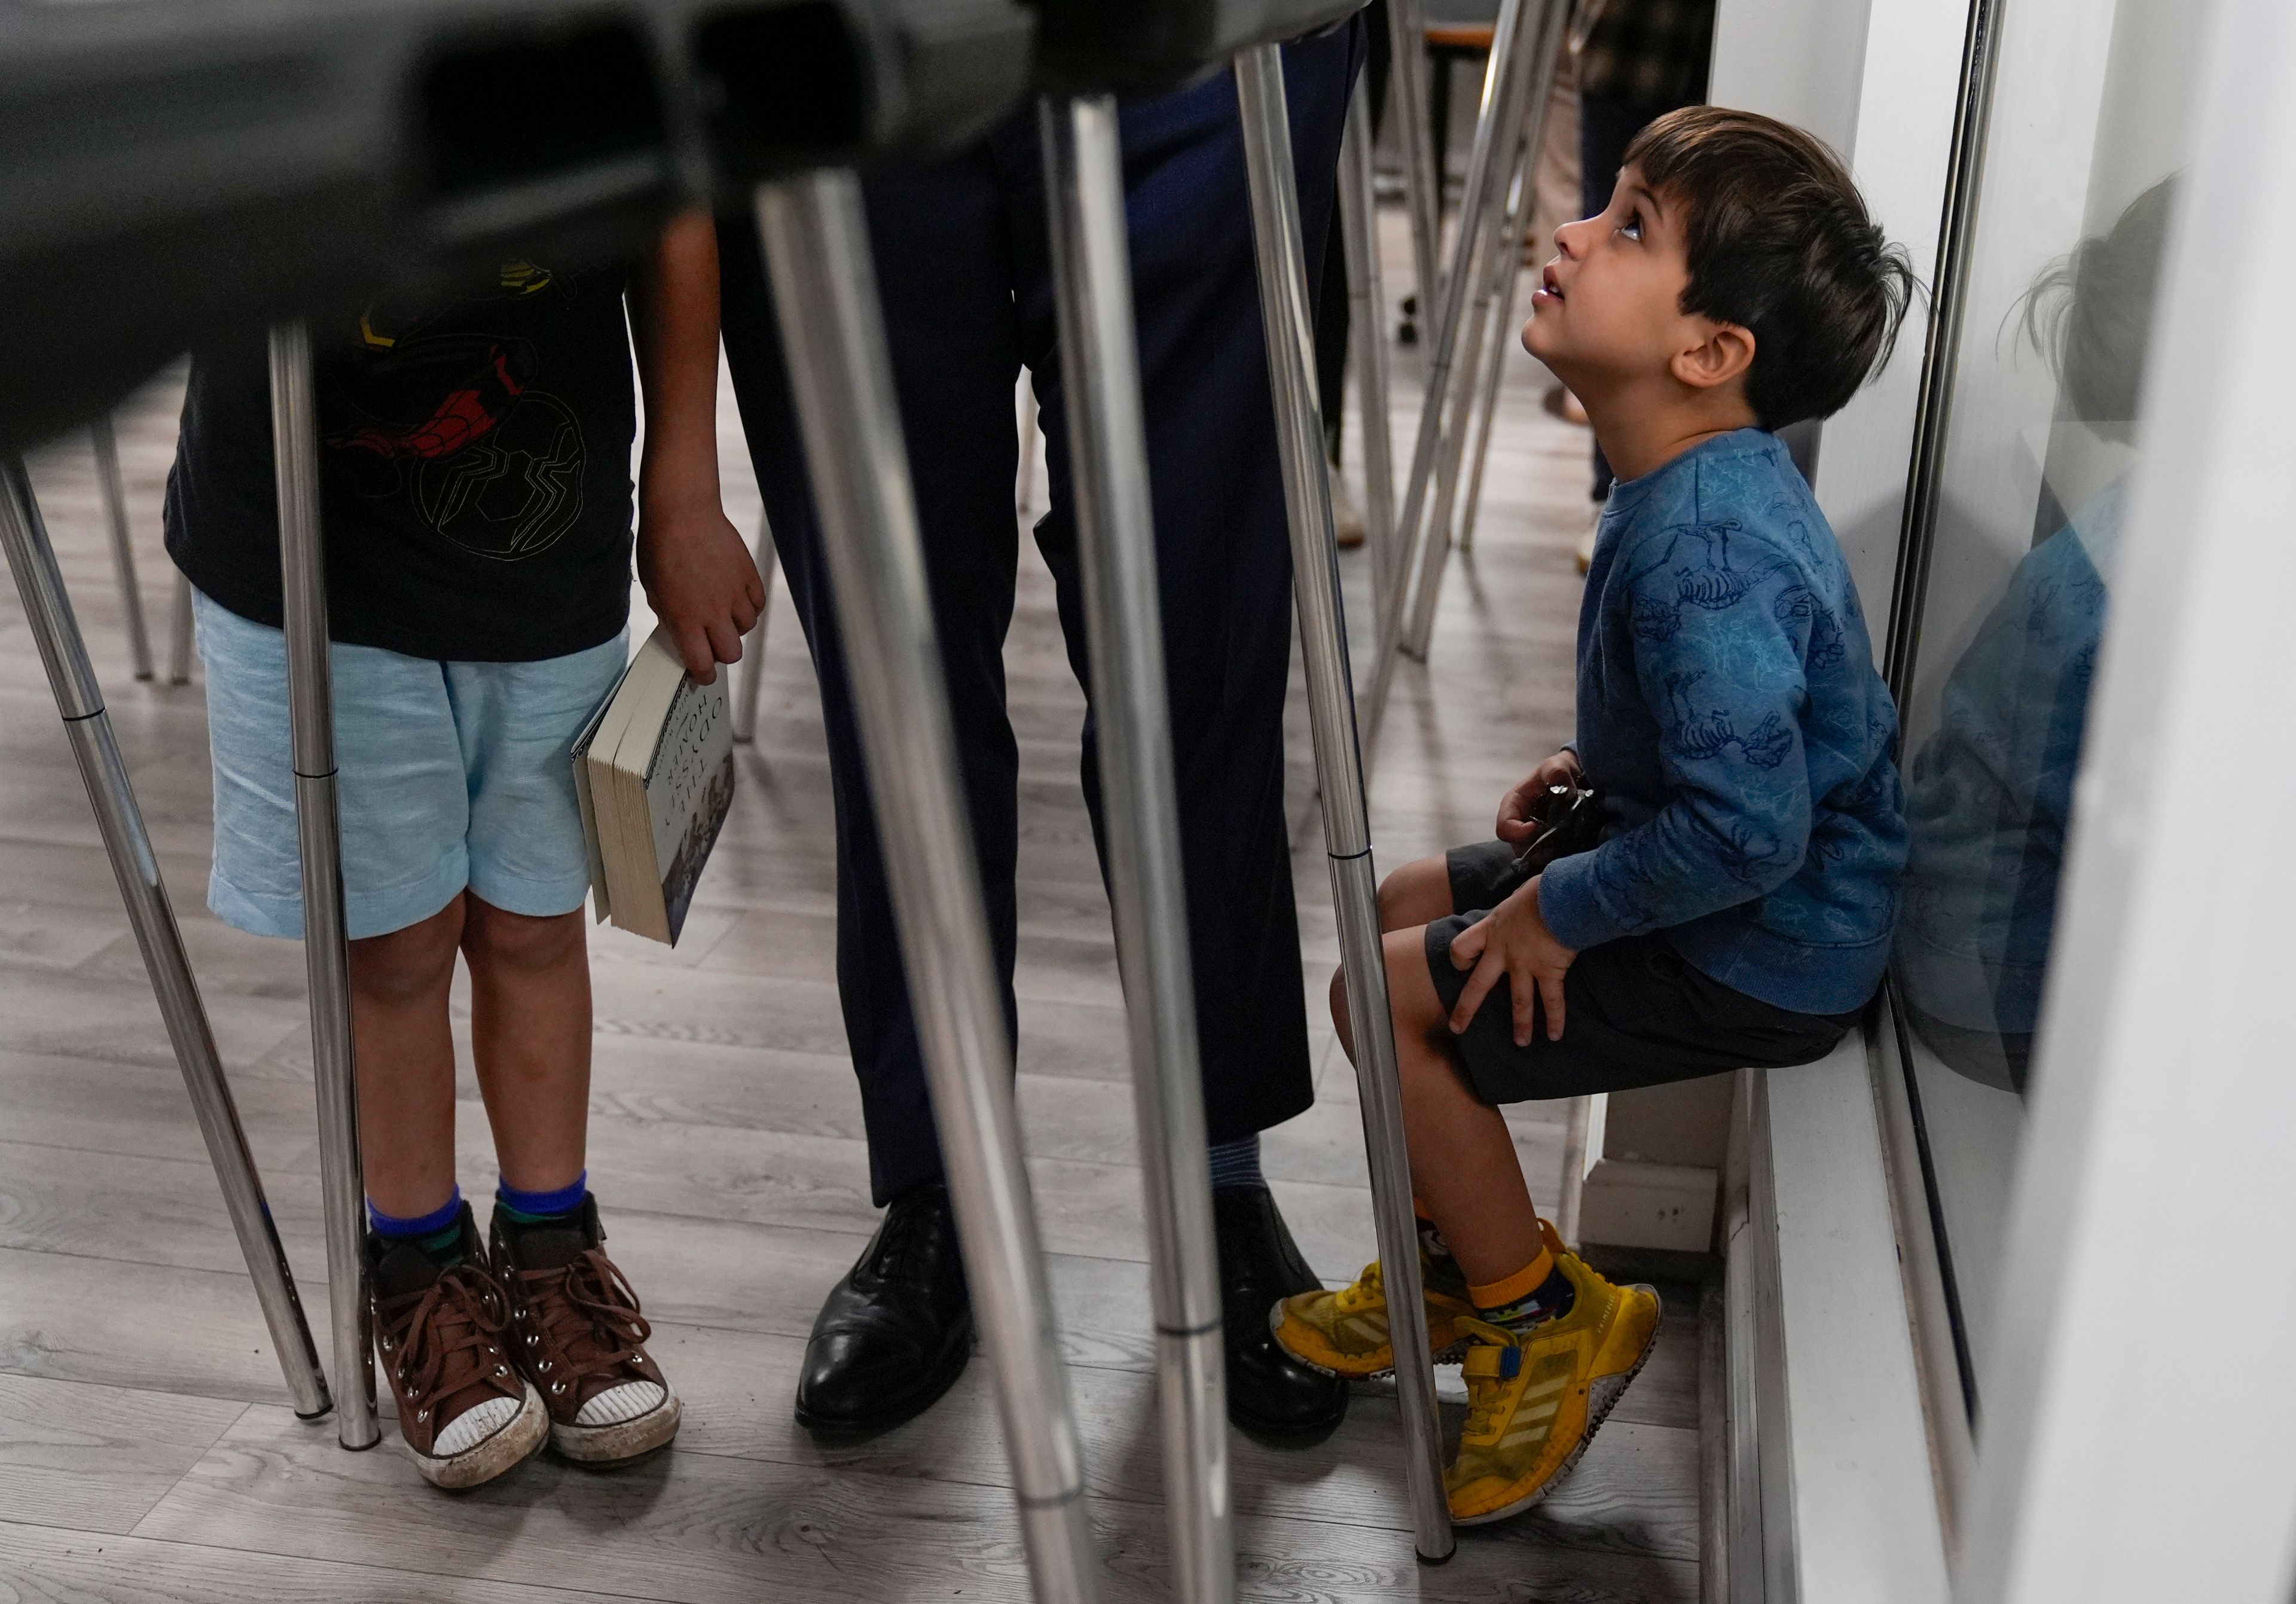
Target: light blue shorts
[[451, 775]]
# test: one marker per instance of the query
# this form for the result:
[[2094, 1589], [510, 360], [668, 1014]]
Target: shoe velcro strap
[[1488, 1361]]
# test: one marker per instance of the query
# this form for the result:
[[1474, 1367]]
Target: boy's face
[[1609, 305]]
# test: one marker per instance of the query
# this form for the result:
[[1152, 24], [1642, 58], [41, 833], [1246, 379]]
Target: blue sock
[[439, 1233], [533, 1208], [1236, 1164]]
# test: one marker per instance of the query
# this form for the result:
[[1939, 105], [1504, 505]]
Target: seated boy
[[1738, 908]]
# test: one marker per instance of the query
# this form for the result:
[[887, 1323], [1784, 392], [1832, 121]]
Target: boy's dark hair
[[1779, 243]]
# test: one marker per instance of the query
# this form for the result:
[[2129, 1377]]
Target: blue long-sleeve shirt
[[1730, 712]]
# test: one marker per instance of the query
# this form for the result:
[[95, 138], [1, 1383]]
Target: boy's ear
[[1725, 353]]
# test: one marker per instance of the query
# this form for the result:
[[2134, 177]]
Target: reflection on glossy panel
[[2077, 197]]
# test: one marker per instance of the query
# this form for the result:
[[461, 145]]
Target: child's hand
[[699, 581], [1512, 941], [1520, 809]]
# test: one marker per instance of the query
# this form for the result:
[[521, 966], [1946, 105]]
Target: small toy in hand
[[1570, 820]]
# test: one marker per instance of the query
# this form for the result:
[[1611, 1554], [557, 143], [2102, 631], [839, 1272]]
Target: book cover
[[653, 774], [689, 789]]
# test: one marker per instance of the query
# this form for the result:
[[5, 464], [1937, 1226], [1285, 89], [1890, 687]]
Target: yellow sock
[[1515, 1302]]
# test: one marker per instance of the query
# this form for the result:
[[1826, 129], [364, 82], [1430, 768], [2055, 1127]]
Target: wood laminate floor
[[146, 1451]]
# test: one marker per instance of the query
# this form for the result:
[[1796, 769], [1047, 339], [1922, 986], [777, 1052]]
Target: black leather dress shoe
[[895, 1333], [1268, 1393]]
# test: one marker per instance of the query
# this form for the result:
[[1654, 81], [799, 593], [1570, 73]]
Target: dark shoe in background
[[1269, 1392], [895, 1334]]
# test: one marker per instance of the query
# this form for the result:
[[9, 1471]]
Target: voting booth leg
[[1367, 297], [1509, 53], [1503, 336], [753, 644], [1423, 186], [80, 700], [1091, 277], [326, 951], [106, 443], [824, 284], [1531, 83], [1287, 311]]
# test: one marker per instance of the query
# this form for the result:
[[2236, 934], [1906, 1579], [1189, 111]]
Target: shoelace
[[586, 1298], [462, 1311], [904, 1230]]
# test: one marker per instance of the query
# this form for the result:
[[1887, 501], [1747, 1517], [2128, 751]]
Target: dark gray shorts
[[1636, 1012]]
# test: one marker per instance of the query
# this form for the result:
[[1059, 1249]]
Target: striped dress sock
[[1236, 1164]]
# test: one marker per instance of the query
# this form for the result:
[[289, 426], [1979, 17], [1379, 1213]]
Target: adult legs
[[1224, 556], [1224, 573], [943, 270], [895, 1333]]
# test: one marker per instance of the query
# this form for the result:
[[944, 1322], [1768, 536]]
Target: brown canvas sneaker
[[577, 1334], [465, 1414]]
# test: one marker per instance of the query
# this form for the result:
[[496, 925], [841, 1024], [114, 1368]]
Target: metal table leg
[[825, 294], [327, 953], [1510, 54], [1530, 82], [1288, 313], [753, 644], [123, 545], [1423, 186], [1502, 333], [1367, 297], [1084, 186], [80, 700]]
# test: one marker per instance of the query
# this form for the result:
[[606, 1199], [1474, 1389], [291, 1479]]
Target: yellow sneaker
[[1345, 1334], [1535, 1398]]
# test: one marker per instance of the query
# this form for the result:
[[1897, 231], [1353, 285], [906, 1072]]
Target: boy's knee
[[408, 964], [522, 941], [1412, 1003], [1417, 894]]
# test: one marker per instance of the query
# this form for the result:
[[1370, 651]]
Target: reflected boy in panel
[[1737, 909]]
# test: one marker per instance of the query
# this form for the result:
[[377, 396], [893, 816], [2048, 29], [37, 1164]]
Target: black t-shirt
[[474, 475]]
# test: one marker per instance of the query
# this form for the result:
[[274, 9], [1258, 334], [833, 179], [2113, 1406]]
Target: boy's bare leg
[[1417, 894], [399, 984], [530, 1036], [1463, 1160]]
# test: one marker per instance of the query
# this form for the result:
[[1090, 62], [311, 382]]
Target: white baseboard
[[1631, 1204]]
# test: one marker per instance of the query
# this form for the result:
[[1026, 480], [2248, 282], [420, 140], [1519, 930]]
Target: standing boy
[[475, 492], [1738, 910]]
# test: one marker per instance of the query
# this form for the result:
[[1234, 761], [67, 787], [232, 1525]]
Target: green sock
[[444, 1247]]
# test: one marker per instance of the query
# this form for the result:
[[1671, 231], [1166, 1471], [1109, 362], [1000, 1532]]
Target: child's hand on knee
[[1512, 941]]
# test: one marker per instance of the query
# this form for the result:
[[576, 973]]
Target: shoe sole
[[505, 1451], [1452, 1352], [1601, 1398], [623, 1441]]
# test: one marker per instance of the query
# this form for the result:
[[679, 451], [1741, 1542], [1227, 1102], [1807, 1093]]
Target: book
[[653, 774]]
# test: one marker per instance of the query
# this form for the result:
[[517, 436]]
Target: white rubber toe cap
[[617, 1404]]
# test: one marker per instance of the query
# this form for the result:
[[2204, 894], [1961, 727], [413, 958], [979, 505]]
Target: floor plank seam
[[352, 1566]]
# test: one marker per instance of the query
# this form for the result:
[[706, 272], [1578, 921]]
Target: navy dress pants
[[963, 265]]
